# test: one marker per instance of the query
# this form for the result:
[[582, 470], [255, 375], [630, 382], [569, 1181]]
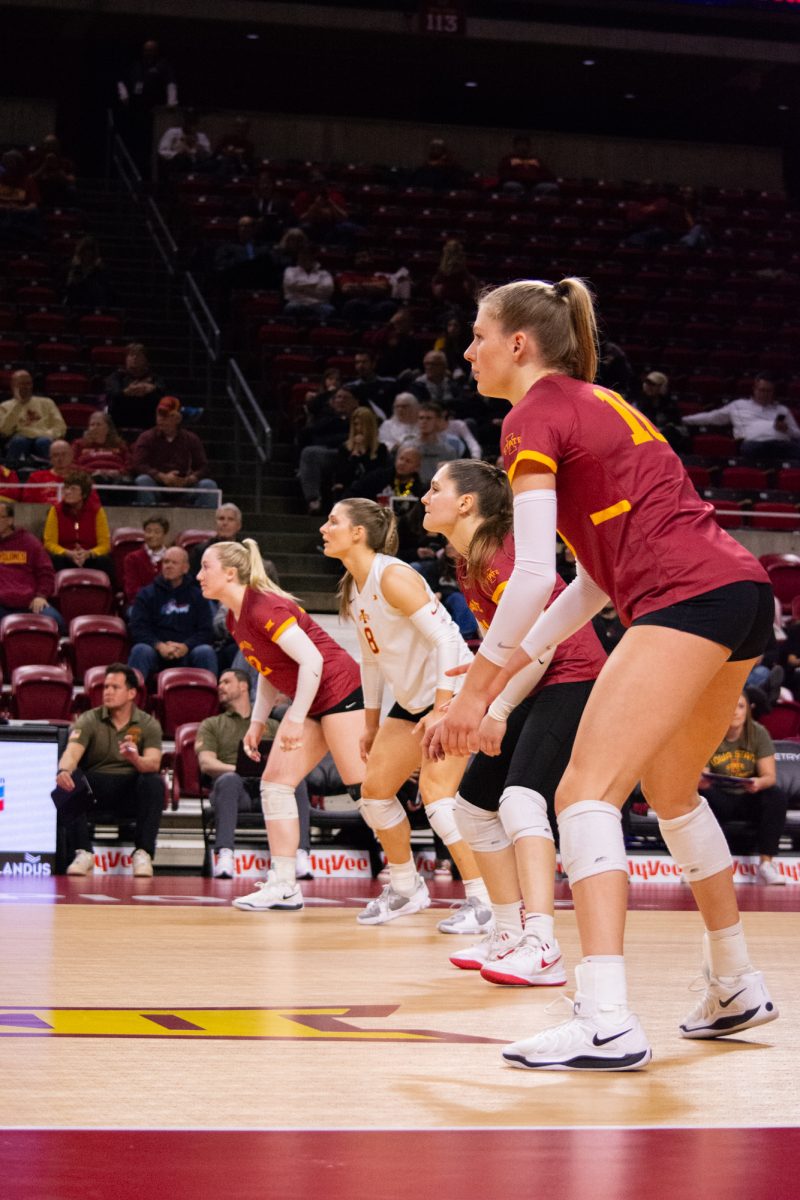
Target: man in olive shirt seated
[[119, 750], [217, 747]]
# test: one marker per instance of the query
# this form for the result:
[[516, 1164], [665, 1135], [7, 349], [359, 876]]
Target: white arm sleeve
[[520, 686], [576, 605], [371, 677], [299, 646], [446, 640], [266, 693], [533, 578]]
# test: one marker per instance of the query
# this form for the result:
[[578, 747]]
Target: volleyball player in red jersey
[[504, 805], [698, 609], [293, 656]]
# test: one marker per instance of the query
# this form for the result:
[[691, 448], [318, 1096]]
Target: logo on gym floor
[[288, 1023]]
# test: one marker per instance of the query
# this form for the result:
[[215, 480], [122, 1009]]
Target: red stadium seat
[[28, 639], [785, 580], [745, 479], [783, 721], [124, 539], [66, 383], [100, 325], [80, 591], [186, 769], [193, 537], [775, 515], [93, 687], [713, 445], [185, 694], [41, 693], [728, 513], [97, 640]]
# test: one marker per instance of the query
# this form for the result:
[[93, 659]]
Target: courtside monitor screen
[[28, 765]]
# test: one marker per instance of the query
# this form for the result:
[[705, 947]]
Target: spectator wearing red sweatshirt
[[27, 578]]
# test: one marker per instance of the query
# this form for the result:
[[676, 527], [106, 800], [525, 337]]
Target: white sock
[[726, 951], [403, 877], [284, 869], [542, 925], [476, 889], [508, 918]]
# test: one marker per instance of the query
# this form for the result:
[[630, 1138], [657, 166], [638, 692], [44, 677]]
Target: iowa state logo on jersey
[[511, 444]]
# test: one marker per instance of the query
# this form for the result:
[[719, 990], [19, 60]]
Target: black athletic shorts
[[738, 615], [535, 751], [402, 714], [353, 701]]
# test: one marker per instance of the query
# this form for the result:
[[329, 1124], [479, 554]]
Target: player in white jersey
[[409, 641]]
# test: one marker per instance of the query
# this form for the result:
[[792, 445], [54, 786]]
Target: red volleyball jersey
[[262, 620], [625, 503], [577, 658]]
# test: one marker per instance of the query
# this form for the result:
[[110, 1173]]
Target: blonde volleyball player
[[409, 641]]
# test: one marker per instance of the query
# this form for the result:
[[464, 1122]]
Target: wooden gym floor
[[155, 1040]]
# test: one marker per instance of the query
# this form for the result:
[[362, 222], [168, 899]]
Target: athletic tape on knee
[[382, 814], [523, 813], [278, 801], [441, 816], [591, 840], [481, 829], [697, 843]]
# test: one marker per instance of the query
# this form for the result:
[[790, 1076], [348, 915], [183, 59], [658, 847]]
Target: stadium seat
[[785, 580], [81, 591], [124, 539], [783, 721], [28, 639], [186, 771], [184, 694], [729, 513], [96, 640], [713, 445], [41, 693], [193, 537], [775, 515], [749, 479]]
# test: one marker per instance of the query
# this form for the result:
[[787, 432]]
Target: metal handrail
[[163, 240], [120, 156], [201, 317], [251, 418]]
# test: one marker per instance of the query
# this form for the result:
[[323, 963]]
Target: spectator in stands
[[308, 287], [435, 382], [9, 480], [76, 530], [247, 261], [101, 452], [133, 391], [88, 285], [740, 784], [440, 573], [147, 84], [453, 285], [217, 747], [370, 389], [361, 452], [434, 447], [54, 174], [116, 748], [27, 578], [402, 423], [767, 430], [322, 439], [227, 527], [140, 567], [399, 487], [318, 403], [452, 343], [322, 212], [659, 220], [235, 151], [366, 293], [184, 148], [607, 624], [522, 171], [268, 209], [171, 457], [614, 370], [170, 622], [440, 171], [394, 346], [662, 409], [29, 422], [61, 458], [459, 431], [19, 200]]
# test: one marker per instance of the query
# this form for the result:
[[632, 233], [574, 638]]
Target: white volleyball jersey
[[405, 659]]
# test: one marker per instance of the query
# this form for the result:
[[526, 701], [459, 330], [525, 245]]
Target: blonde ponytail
[[245, 558], [560, 315]]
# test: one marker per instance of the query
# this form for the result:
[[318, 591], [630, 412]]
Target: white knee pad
[[441, 816], [278, 801], [697, 843], [524, 814], [481, 829], [382, 814], [591, 840]]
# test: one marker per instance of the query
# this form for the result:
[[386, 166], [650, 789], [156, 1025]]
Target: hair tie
[[560, 290]]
